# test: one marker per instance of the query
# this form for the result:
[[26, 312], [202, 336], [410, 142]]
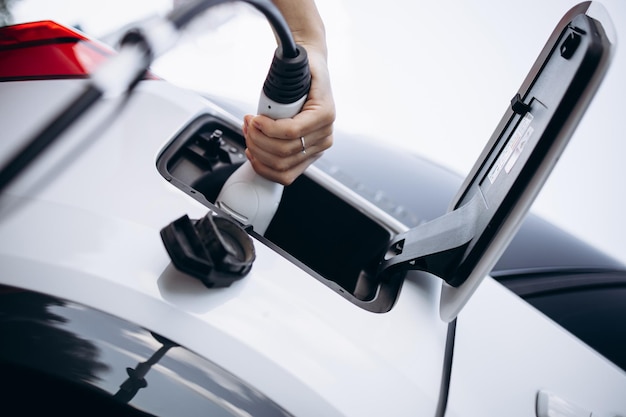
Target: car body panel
[[92, 236], [496, 335], [66, 358], [83, 223]]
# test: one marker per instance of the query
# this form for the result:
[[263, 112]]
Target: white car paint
[[506, 353], [83, 224], [92, 236]]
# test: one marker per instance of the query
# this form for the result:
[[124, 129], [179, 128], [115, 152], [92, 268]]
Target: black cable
[[47, 135], [182, 16], [70, 114], [179, 17]]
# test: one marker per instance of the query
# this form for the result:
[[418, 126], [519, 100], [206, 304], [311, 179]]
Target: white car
[[351, 304]]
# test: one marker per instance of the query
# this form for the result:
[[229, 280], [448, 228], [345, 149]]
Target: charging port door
[[462, 246]]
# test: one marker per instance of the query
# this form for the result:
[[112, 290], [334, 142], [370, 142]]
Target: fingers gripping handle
[[247, 196]]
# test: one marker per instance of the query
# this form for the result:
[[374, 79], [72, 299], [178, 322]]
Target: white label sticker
[[518, 149], [513, 148]]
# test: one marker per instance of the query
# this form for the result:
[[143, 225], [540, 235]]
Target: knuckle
[[291, 132], [282, 166], [326, 143]]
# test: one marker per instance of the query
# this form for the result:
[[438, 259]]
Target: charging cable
[[138, 49]]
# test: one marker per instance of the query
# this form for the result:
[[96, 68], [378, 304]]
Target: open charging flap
[[462, 246]]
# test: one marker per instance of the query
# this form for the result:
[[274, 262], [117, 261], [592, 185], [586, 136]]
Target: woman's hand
[[280, 150]]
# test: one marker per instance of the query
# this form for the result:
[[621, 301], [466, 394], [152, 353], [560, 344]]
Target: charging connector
[[247, 196]]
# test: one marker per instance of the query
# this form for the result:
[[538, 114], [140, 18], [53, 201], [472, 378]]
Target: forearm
[[305, 23], [280, 150]]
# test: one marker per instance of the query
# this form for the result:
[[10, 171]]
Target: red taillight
[[44, 50]]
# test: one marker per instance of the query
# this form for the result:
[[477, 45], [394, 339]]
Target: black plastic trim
[[446, 376]]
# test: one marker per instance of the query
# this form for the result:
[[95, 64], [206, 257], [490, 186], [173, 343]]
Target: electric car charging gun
[[246, 196]]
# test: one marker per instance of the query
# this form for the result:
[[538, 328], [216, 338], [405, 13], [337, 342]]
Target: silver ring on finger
[[303, 144]]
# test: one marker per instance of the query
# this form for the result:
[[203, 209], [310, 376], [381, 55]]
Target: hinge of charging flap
[[436, 247]]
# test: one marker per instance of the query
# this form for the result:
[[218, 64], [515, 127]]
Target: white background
[[433, 77]]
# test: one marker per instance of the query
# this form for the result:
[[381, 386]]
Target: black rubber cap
[[289, 79], [215, 250]]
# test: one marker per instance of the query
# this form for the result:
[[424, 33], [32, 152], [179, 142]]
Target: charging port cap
[[216, 250]]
